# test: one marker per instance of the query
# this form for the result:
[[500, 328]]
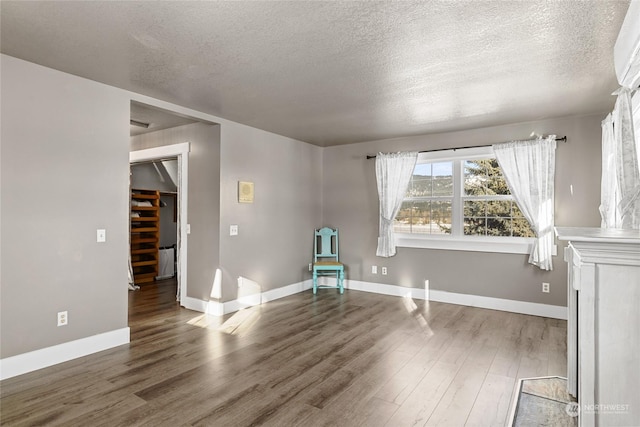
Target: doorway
[[154, 219], [175, 178], [157, 134]]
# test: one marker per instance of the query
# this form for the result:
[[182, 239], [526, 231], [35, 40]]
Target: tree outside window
[[488, 207]]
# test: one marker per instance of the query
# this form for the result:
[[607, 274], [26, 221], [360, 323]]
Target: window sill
[[507, 245]]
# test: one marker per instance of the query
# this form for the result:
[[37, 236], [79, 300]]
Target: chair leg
[[315, 282], [341, 281]]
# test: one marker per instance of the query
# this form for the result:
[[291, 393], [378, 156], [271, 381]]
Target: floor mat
[[544, 402]]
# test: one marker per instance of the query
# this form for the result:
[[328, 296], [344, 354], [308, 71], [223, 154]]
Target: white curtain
[[393, 174], [620, 190], [609, 191], [529, 169]]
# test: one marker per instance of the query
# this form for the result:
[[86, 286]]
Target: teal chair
[[325, 258]]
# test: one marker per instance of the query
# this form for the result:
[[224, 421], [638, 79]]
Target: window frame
[[457, 240]]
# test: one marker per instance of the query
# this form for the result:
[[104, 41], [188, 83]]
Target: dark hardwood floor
[[357, 359]]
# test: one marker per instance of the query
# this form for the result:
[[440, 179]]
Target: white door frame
[[181, 151]]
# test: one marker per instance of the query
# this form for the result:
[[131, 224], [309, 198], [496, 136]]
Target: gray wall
[[274, 244], [168, 227], [64, 174], [145, 176], [350, 203], [275, 240], [204, 198]]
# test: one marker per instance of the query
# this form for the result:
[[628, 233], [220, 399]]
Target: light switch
[[233, 230], [101, 235], [188, 228]]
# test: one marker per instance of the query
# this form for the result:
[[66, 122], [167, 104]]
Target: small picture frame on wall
[[245, 192]]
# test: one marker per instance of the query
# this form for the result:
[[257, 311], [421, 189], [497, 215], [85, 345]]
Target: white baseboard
[[285, 291], [194, 304], [521, 307], [380, 288], [513, 306], [38, 359], [216, 308]]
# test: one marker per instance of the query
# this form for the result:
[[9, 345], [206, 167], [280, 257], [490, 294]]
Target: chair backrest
[[325, 244]]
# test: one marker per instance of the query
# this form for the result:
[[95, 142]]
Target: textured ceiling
[[156, 119], [336, 72]]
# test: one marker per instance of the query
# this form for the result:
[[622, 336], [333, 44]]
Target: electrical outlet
[[233, 230], [545, 287], [310, 267], [374, 269], [384, 271], [63, 318]]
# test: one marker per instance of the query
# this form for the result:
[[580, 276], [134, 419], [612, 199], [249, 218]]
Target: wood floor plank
[[401, 385], [492, 405], [86, 411], [357, 359], [418, 407], [65, 391], [507, 360], [556, 350], [377, 412], [457, 402], [294, 414]]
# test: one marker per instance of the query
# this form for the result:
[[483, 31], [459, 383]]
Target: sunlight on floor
[[241, 322], [409, 304], [412, 308], [203, 321], [249, 299]]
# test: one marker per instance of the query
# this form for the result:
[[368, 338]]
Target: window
[[426, 208], [488, 207], [460, 200]]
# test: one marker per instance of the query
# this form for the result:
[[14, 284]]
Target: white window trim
[[507, 245], [457, 242]]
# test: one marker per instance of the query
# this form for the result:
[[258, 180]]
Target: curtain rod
[[563, 139]]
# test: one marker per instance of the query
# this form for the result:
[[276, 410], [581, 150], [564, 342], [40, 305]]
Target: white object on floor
[[166, 264]]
